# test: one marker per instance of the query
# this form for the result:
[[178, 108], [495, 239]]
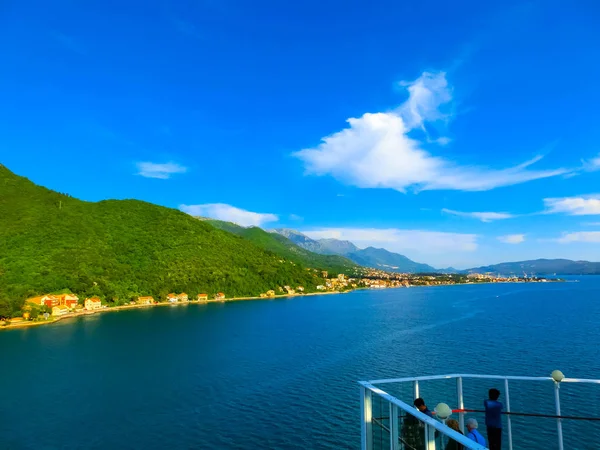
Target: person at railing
[[493, 419], [452, 444], [473, 434], [421, 406]]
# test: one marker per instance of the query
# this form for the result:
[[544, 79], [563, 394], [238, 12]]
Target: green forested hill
[[119, 249], [282, 246]]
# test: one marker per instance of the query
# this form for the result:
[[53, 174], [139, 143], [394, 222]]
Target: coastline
[[31, 323], [27, 323]]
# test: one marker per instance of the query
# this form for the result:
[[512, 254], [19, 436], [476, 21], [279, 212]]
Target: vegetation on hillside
[[282, 246], [120, 249]]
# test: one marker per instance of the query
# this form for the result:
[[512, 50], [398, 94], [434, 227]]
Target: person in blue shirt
[[472, 432], [421, 406], [493, 419]]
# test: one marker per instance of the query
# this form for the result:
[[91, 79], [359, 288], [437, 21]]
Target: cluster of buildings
[[491, 278], [61, 304], [183, 297]]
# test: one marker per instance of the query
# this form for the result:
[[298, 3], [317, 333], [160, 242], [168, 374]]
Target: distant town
[[51, 307]]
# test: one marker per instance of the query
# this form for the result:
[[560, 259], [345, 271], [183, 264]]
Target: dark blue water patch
[[282, 373]]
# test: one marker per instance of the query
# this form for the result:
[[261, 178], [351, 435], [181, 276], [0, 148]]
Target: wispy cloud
[[296, 218], [573, 206], [375, 150], [580, 236], [512, 238], [228, 213], [416, 243], [483, 216], [161, 171]]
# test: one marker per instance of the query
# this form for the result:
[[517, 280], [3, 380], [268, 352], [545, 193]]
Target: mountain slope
[[285, 248], [300, 239], [383, 259], [337, 247], [368, 257], [542, 267], [120, 249]]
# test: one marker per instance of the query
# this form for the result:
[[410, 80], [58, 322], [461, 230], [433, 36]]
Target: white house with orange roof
[[60, 310], [93, 303], [147, 300]]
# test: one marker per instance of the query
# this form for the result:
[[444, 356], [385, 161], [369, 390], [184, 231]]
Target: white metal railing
[[430, 426]]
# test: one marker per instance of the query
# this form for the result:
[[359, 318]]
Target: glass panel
[[411, 433], [381, 423]]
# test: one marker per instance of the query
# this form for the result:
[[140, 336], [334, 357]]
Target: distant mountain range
[[286, 248], [369, 257], [542, 267], [386, 260]]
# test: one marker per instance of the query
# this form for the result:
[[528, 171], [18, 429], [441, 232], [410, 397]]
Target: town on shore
[[50, 307]]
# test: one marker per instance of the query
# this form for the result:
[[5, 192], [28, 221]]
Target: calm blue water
[[282, 374]]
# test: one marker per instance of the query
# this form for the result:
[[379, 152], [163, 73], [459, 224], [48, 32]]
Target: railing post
[[366, 416], [394, 443], [416, 389], [558, 421], [506, 393], [429, 437], [460, 402]]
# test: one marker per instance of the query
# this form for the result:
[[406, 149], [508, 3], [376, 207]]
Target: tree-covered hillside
[[119, 249], [287, 249]]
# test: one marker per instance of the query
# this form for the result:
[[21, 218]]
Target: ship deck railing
[[433, 434]]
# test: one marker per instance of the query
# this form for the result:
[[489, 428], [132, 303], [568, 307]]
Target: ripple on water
[[282, 374]]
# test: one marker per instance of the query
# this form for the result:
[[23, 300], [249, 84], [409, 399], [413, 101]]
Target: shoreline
[[30, 323]]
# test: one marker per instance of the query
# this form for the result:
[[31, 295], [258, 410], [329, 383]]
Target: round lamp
[[442, 411], [557, 376]]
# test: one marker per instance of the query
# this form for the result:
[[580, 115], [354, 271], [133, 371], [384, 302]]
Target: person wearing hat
[[473, 434]]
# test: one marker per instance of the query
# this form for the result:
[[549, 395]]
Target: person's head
[[494, 394], [420, 404], [453, 423], [471, 424]]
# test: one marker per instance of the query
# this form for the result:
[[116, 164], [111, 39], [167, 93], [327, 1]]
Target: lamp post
[[442, 411], [558, 376]]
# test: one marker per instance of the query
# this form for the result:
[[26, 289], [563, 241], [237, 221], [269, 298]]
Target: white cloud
[[580, 236], [483, 216], [574, 206], [512, 238], [296, 217], [421, 245], [375, 150], [162, 171], [591, 165], [221, 211]]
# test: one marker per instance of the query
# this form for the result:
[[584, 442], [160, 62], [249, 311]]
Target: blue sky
[[456, 133]]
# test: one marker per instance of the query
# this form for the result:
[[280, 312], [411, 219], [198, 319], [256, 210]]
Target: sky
[[456, 133]]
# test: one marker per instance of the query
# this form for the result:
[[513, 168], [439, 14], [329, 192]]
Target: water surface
[[282, 373]]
